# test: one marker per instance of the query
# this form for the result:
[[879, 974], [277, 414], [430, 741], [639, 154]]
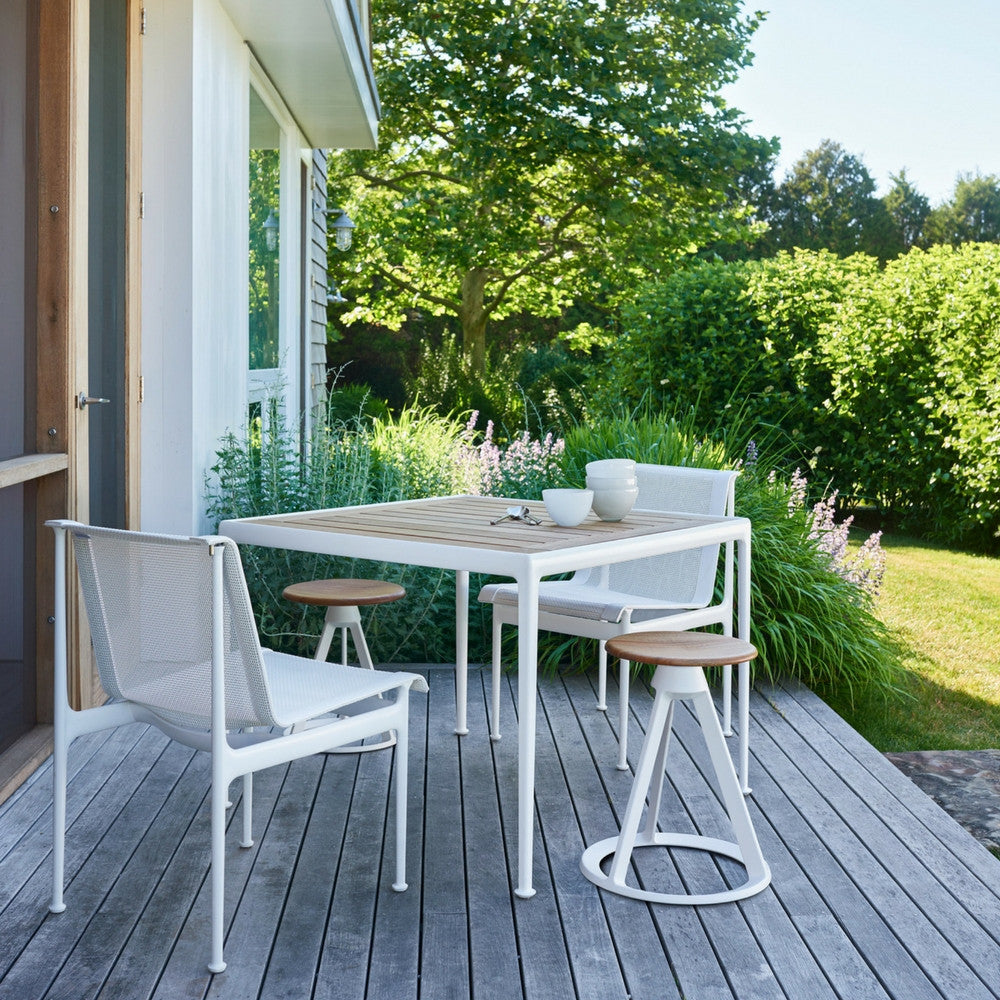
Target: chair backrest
[[683, 578], [149, 604]]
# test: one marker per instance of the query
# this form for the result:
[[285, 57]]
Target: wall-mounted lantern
[[343, 228], [271, 231]]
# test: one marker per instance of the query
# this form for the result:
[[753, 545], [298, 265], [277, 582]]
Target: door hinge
[[142, 204], [142, 388], [142, 21]]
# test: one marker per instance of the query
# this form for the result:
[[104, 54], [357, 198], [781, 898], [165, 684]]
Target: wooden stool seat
[[343, 593], [675, 653], [342, 598], [681, 649]]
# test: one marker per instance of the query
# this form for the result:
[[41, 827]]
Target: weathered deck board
[[876, 892]]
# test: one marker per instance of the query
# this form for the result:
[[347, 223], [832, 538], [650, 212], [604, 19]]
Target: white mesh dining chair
[[177, 647], [672, 592]]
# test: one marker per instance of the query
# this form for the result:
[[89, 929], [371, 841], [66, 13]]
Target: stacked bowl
[[614, 486]]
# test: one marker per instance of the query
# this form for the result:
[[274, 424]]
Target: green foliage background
[[887, 379], [808, 619]]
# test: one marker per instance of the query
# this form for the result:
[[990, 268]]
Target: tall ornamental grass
[[814, 611]]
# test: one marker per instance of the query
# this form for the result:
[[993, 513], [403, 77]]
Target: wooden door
[[48, 335]]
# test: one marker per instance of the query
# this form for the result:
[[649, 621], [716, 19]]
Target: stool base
[[593, 859], [347, 618], [675, 683]]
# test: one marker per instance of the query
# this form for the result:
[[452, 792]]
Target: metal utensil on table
[[518, 513]]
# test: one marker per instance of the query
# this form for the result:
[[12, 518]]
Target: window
[[274, 256]]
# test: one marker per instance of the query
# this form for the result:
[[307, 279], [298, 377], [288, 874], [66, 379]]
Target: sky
[[911, 84]]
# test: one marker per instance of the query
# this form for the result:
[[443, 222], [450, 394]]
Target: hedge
[[887, 378]]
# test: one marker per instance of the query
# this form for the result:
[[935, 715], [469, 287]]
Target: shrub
[[813, 614], [887, 380], [812, 598], [812, 607]]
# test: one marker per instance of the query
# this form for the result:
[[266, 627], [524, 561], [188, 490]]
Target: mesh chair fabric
[[675, 582], [565, 597], [303, 688], [682, 579], [149, 603]]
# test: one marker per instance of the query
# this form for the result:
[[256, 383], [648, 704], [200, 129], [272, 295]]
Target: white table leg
[[527, 675], [743, 630], [461, 651]]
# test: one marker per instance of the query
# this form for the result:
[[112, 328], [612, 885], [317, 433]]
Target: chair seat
[[303, 688], [579, 600], [343, 592]]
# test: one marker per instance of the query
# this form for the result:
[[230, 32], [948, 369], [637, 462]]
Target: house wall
[[317, 289], [167, 495], [196, 78]]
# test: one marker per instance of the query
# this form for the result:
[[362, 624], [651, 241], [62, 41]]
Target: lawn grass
[[945, 605]]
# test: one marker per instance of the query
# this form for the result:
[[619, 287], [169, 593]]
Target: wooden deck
[[876, 892]]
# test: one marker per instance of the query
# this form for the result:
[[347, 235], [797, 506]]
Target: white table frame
[[527, 554]]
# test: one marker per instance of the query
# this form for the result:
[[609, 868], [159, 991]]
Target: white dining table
[[456, 533]]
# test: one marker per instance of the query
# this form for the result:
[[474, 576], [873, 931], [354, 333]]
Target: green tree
[[535, 154], [908, 209], [827, 202], [972, 215]]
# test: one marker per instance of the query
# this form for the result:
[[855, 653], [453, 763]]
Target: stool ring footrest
[[594, 856]]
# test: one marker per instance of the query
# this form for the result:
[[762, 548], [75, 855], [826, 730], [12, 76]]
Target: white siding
[[196, 77]]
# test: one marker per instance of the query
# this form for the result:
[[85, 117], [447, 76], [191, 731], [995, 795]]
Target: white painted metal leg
[[527, 672], [461, 650], [727, 699], [652, 750], [60, 736], [495, 680], [218, 869], [623, 679], [247, 840], [655, 798], [326, 637], [743, 632], [360, 645], [402, 770], [602, 677]]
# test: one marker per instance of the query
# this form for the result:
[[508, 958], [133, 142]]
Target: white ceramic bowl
[[568, 507], [599, 482], [613, 505], [612, 467]]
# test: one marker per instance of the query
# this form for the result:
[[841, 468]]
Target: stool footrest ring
[[591, 866]]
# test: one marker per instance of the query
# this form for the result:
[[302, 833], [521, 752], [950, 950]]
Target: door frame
[[55, 465]]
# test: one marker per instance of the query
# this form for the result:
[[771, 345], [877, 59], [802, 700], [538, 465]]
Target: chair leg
[[623, 671], [602, 677], [247, 840], [59, 756], [495, 681], [218, 873], [402, 768]]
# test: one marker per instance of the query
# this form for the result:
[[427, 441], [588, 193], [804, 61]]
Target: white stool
[[342, 599], [681, 657]]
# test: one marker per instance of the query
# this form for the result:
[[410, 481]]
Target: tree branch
[[407, 286], [395, 183]]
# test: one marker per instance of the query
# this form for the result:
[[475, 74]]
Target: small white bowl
[[568, 507], [598, 482], [613, 505], [611, 467]]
